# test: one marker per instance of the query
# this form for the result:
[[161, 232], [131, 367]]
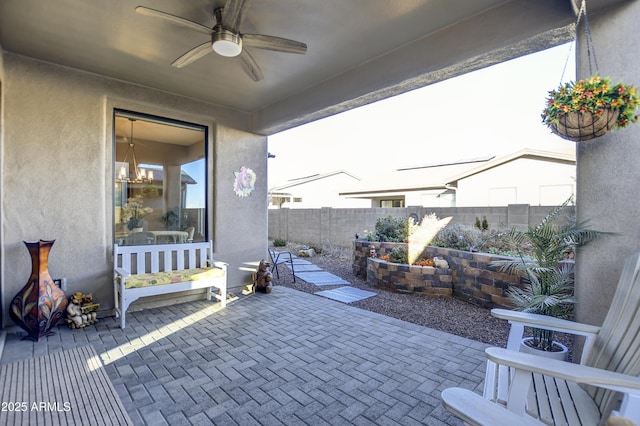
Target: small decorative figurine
[[262, 278], [372, 251]]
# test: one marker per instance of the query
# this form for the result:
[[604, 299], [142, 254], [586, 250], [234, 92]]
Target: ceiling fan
[[226, 39]]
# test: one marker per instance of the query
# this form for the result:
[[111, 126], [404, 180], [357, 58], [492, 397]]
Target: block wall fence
[[338, 227]]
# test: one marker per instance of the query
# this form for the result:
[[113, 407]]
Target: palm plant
[[547, 274]]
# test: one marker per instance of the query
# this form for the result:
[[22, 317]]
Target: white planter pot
[[562, 355]]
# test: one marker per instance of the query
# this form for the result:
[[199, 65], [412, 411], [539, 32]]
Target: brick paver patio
[[283, 358]]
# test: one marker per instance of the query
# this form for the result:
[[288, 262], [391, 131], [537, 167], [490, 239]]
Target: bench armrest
[[217, 264], [565, 370], [122, 272]]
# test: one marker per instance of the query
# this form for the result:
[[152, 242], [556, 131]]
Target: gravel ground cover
[[446, 314]]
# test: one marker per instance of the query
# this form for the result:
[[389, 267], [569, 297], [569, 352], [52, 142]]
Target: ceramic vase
[[40, 303]]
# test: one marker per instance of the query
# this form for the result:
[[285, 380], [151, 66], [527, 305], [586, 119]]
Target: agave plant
[[548, 275]]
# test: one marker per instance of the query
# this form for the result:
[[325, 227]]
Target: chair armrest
[[546, 322], [121, 272], [565, 370], [519, 320], [478, 411]]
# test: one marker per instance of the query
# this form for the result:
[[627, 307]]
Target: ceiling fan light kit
[[226, 43]]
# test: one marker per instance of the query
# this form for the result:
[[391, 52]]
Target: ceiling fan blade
[[193, 55], [173, 19], [232, 14], [250, 66], [278, 44]]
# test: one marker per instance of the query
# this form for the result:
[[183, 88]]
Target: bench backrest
[[162, 257], [617, 346]]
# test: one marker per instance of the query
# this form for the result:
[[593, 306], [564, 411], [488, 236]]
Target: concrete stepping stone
[[346, 294], [321, 278], [305, 267]]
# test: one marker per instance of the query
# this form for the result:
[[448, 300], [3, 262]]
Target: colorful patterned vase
[[40, 304]]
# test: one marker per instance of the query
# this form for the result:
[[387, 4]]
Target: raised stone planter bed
[[361, 254], [421, 280], [471, 277]]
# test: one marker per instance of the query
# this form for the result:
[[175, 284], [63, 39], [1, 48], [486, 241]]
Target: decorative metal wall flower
[[245, 182]]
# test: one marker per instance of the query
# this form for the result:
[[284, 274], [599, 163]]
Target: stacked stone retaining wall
[[470, 277], [421, 280]]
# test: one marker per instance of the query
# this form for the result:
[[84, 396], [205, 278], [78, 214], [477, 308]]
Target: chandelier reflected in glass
[[139, 175]]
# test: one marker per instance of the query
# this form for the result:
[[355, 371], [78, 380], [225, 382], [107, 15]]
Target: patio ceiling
[[359, 51]]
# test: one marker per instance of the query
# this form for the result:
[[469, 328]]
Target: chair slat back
[[617, 347]]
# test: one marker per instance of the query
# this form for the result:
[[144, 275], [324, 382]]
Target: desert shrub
[[370, 236], [278, 242], [316, 248], [394, 229], [500, 242], [483, 224], [399, 254], [458, 236]]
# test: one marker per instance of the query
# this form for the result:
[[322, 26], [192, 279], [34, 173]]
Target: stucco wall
[[608, 173], [57, 174]]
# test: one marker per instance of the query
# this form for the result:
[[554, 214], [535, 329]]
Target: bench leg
[[223, 299], [118, 290], [120, 303], [123, 309], [116, 295], [212, 293]]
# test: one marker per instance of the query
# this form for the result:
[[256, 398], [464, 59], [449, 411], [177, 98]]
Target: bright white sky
[[493, 111]]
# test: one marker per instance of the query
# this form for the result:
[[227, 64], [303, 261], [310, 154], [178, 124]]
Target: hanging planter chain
[[587, 32]]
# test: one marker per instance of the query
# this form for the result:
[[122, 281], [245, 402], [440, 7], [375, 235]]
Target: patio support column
[[608, 176]]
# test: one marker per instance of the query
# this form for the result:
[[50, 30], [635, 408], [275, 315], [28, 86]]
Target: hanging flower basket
[[579, 126], [589, 108]]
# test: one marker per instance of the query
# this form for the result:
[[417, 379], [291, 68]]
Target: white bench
[[150, 270]]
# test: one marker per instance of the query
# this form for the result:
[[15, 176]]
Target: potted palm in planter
[[548, 272], [586, 109]]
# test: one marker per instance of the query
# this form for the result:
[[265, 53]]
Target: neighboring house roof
[[559, 157], [306, 179], [425, 177], [443, 176]]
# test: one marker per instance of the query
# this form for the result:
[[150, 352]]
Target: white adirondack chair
[[557, 392]]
